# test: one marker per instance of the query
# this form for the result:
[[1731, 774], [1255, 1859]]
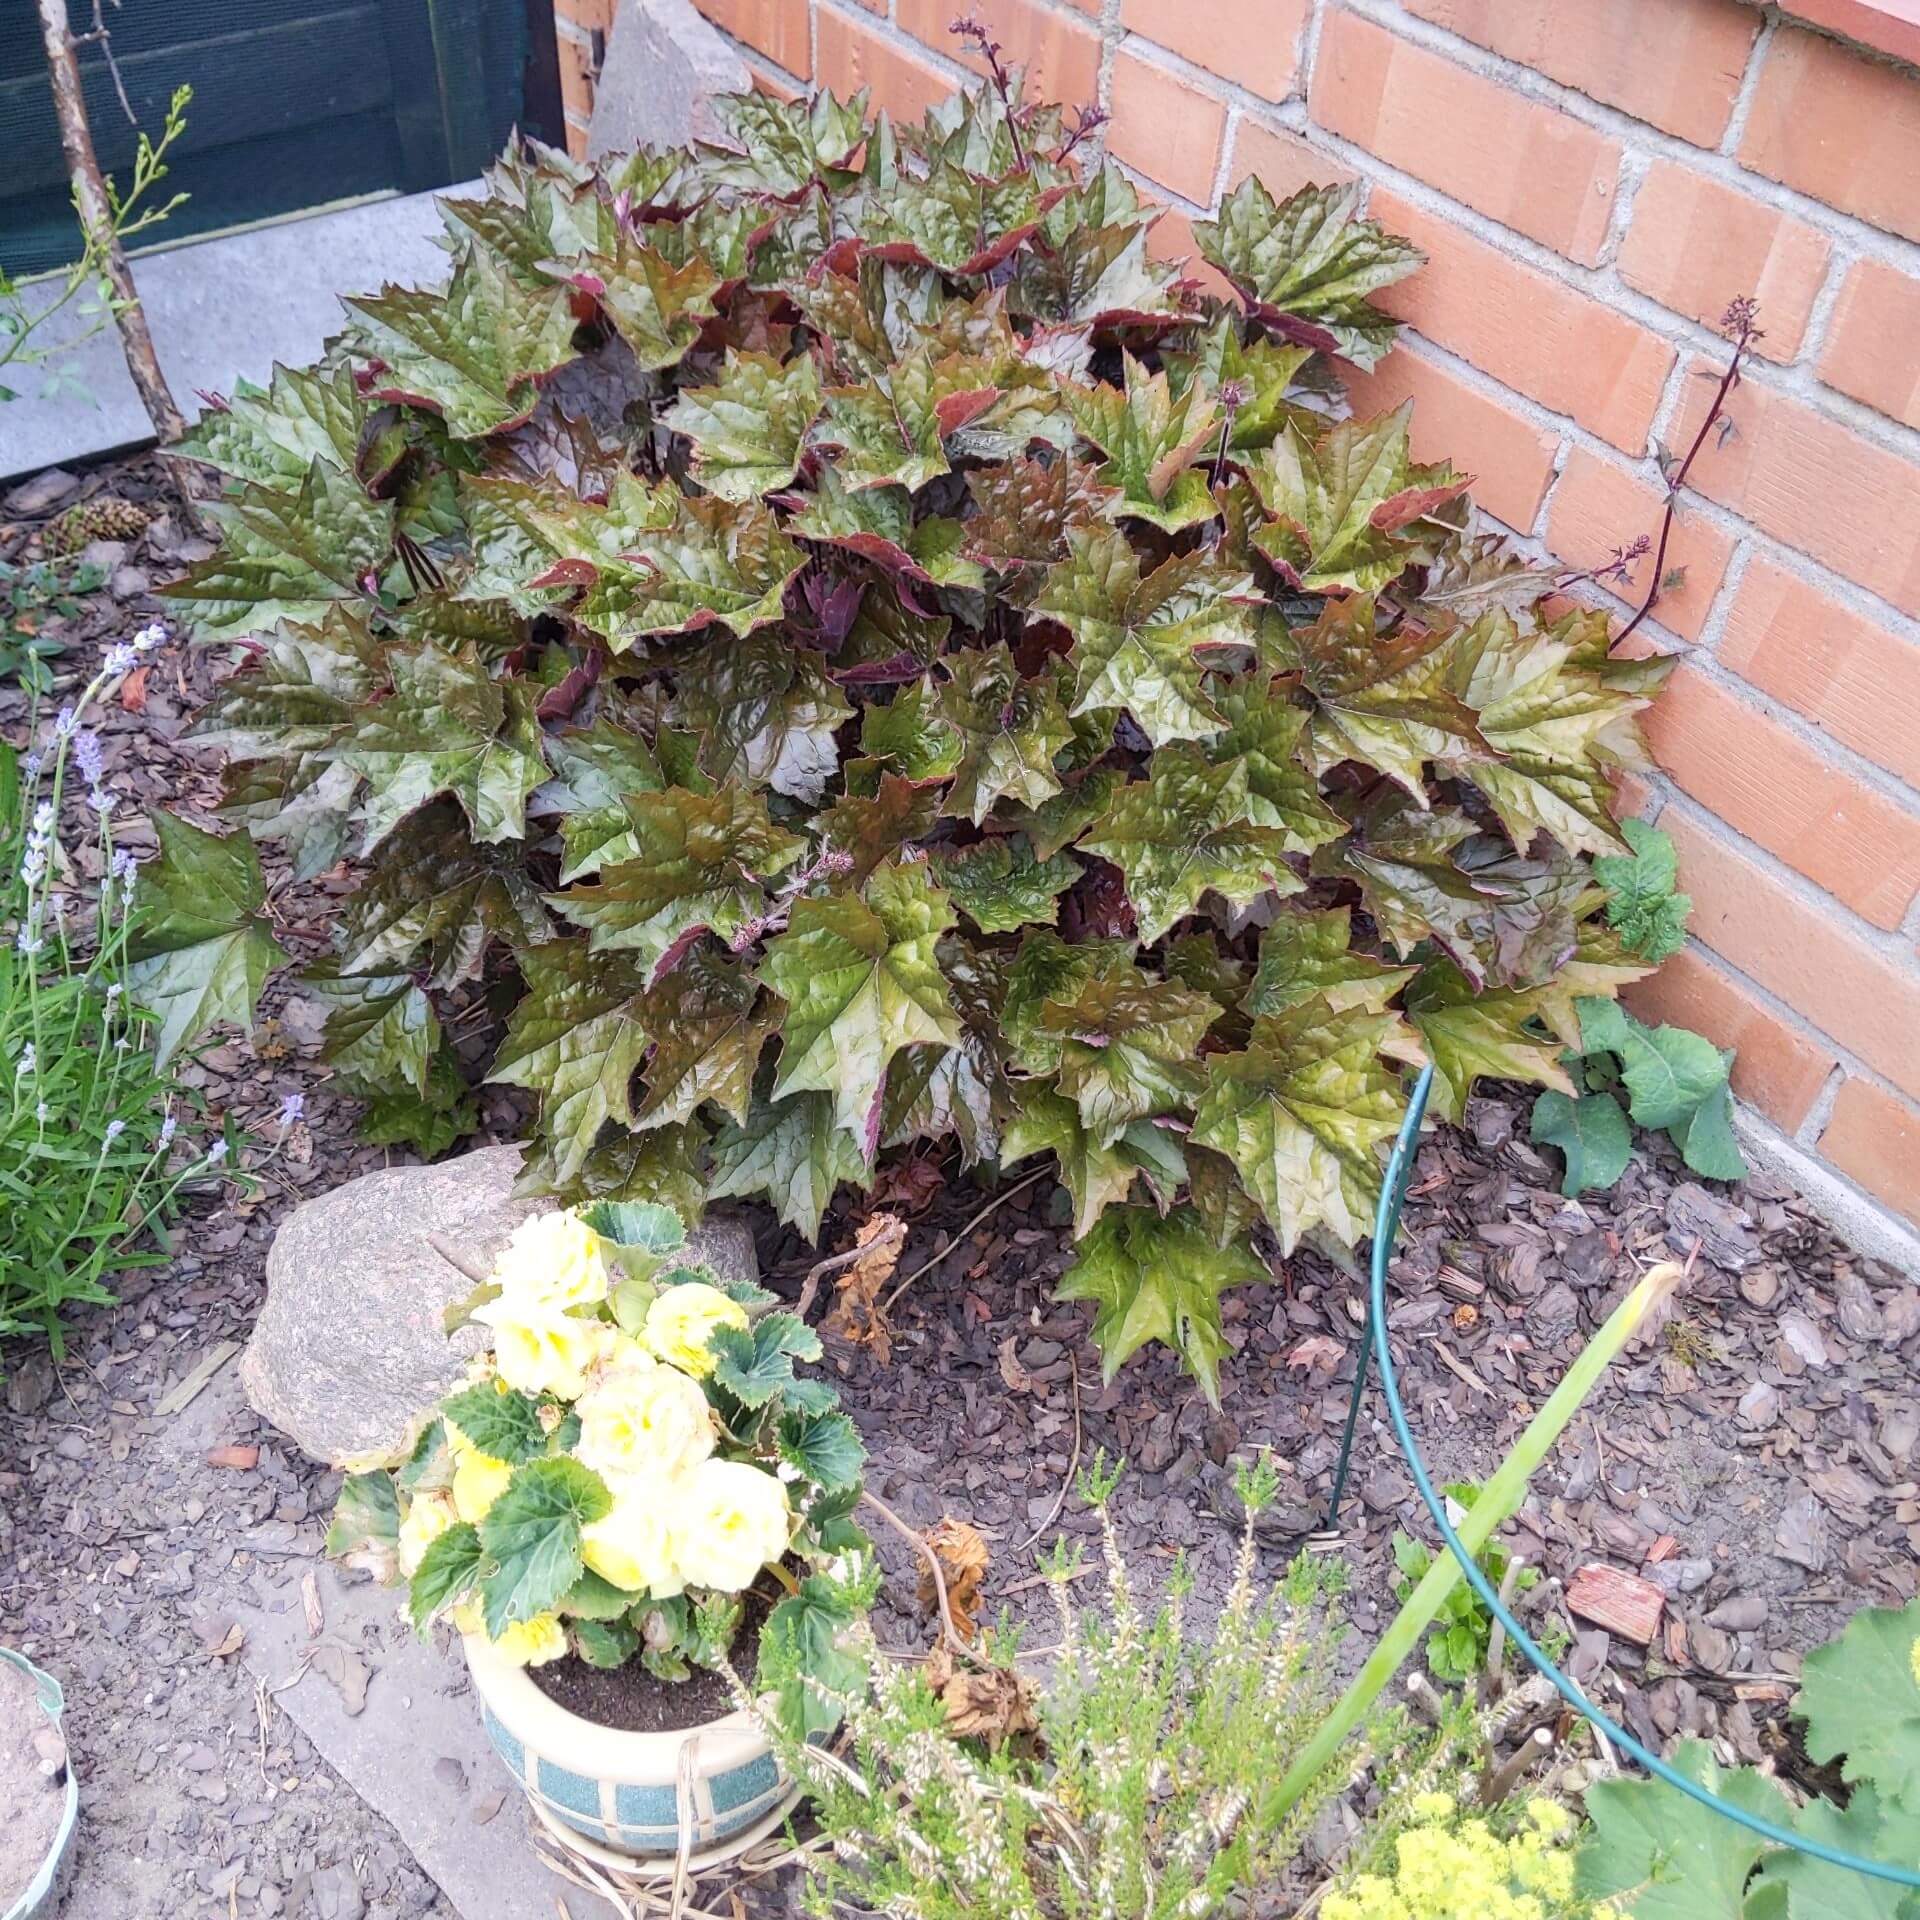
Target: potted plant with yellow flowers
[[629, 1494]]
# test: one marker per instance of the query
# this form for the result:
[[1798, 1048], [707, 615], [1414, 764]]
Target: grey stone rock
[[350, 1345], [663, 66]]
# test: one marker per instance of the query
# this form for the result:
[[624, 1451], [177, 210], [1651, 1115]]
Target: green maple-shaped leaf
[[535, 212], [1860, 1698], [599, 765], [1138, 638], [1385, 701], [272, 434], [431, 888], [576, 1039], [1022, 509], [474, 350], [709, 1022], [1547, 719], [878, 524], [533, 541], [748, 428], [1186, 830], [1266, 732], [1095, 1176], [1666, 1857], [764, 713], [448, 728], [861, 980], [1127, 1048], [1059, 821], [934, 1091], [1009, 731], [1151, 438], [201, 944], [1089, 266], [1158, 1279], [1868, 1827], [1305, 266], [1338, 501], [1497, 1031], [1050, 968], [1260, 370], [381, 1027], [785, 145], [889, 641], [1306, 954], [1592, 1134], [665, 1166], [1301, 1114], [702, 865], [909, 734], [955, 220], [869, 829], [1000, 885], [294, 697], [717, 563], [290, 555], [795, 1152], [656, 306]]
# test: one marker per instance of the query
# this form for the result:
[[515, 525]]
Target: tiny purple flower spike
[[88, 757], [120, 658], [291, 1108], [216, 1153]]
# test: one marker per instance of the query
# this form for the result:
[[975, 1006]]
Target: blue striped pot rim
[[621, 1791]]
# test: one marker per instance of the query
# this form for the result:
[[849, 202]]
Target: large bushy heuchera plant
[[877, 659]]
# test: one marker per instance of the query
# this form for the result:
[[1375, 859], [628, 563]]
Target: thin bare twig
[[926, 1267], [949, 1631], [1073, 1467], [100, 37], [1497, 1782], [810, 1286]]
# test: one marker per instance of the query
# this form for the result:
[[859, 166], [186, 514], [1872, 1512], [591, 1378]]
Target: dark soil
[[631, 1700], [1756, 1456], [31, 1795]]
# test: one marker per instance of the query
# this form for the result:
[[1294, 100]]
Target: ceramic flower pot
[[627, 1799], [42, 1890]]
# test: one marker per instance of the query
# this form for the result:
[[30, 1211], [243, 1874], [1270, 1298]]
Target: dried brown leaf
[[858, 1315], [963, 1558]]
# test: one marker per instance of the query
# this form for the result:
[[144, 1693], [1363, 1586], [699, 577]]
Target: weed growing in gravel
[[87, 1129]]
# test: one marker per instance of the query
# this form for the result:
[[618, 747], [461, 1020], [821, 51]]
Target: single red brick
[[1170, 238], [1165, 126], [1675, 63], [778, 28], [1809, 481], [1874, 1139], [1535, 169], [577, 76], [1776, 1067], [1283, 162], [1815, 959], [1696, 245], [852, 56], [1849, 676], [1060, 53], [1214, 34], [1510, 458], [1600, 506], [1873, 342], [1840, 127], [1783, 795], [1550, 341]]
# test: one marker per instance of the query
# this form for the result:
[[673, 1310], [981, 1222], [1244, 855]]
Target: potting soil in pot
[[31, 1796], [631, 1700]]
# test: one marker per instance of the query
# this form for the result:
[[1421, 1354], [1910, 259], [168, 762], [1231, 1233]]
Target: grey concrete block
[[664, 64]]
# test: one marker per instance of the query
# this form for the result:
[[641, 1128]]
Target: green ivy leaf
[[1860, 1698], [1337, 502], [764, 714], [202, 945], [1158, 1279], [531, 1537], [1150, 438], [748, 428], [1126, 1048], [1137, 638], [793, 1151], [657, 307], [1009, 731], [1095, 1176], [447, 1573], [474, 350], [1186, 830], [1000, 886], [1306, 265], [861, 981], [1591, 1132], [1301, 1114], [702, 865], [576, 1039], [1307, 954]]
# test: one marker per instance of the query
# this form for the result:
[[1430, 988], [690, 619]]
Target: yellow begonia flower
[[633, 1544], [657, 1422], [682, 1320], [553, 1260], [532, 1643], [733, 1521], [544, 1349], [427, 1519], [478, 1481]]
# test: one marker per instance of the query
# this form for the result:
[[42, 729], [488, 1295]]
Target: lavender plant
[[88, 1148]]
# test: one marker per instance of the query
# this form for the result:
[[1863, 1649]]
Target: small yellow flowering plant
[[628, 1456]]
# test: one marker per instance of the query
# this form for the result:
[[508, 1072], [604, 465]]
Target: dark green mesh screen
[[295, 103]]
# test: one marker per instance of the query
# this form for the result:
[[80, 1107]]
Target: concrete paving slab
[[221, 308]]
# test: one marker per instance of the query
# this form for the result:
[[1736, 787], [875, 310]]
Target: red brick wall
[[1594, 180]]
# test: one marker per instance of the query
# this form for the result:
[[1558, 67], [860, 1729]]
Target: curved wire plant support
[[1386, 1224]]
